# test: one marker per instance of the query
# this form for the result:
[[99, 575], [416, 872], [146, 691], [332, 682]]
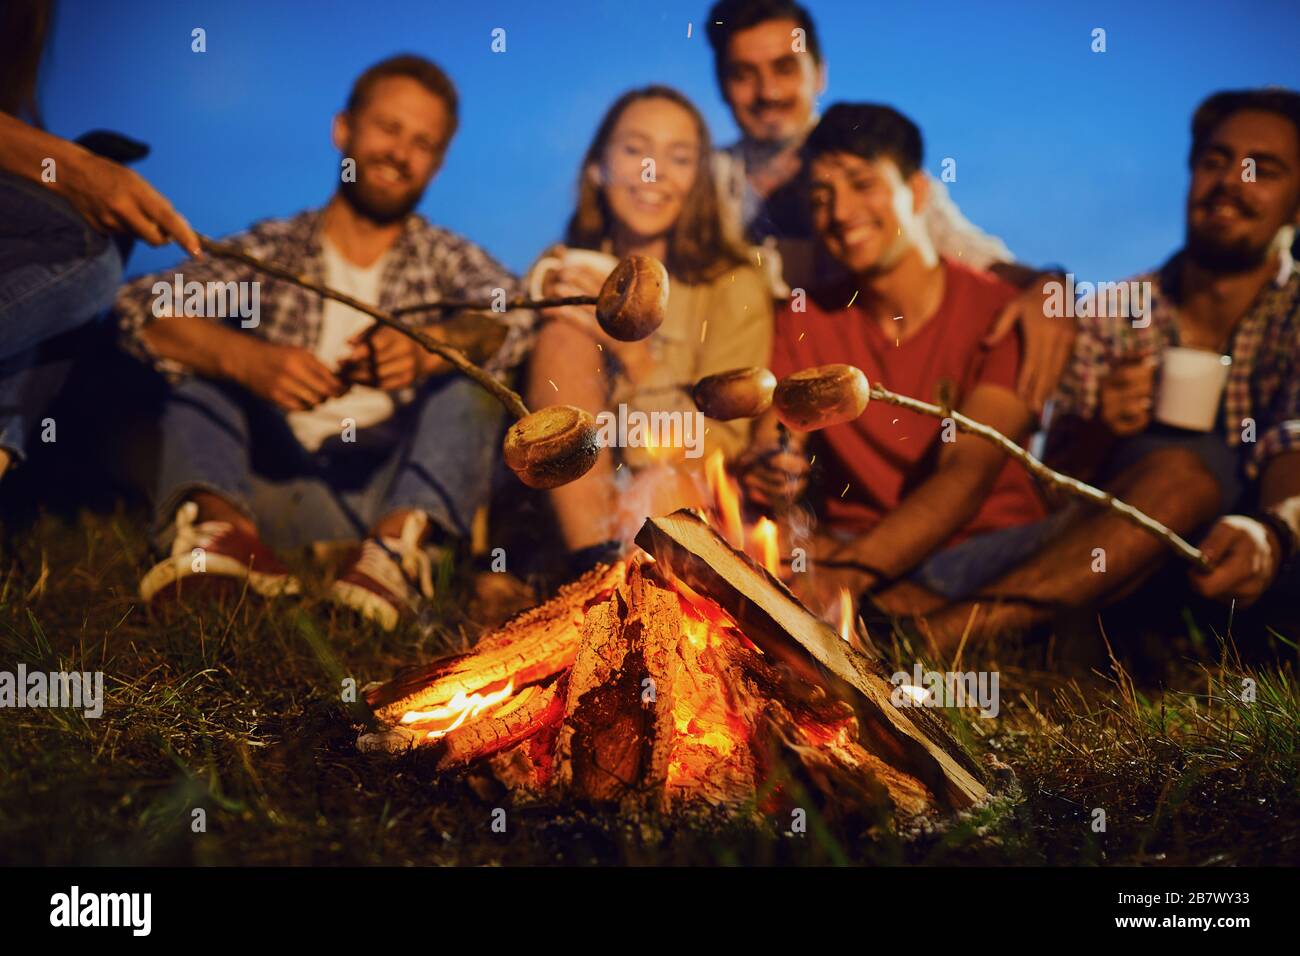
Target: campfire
[[686, 677]]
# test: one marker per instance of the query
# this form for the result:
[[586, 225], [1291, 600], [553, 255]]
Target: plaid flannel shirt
[[425, 264], [1263, 381]]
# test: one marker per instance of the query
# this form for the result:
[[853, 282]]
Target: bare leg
[[1170, 484]]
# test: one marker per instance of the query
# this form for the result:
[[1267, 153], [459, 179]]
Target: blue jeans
[[435, 455], [56, 274]]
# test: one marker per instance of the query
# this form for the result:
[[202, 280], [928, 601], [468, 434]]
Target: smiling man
[[310, 422], [1232, 290], [902, 502]]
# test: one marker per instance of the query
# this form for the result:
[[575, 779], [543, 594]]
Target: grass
[[237, 709]]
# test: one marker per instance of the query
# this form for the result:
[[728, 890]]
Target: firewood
[[768, 614], [615, 739], [530, 647]]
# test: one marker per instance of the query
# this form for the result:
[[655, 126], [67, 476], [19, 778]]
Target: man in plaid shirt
[[1233, 290], [297, 417]]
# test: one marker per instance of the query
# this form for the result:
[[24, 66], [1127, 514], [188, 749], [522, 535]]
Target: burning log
[[658, 685], [772, 617]]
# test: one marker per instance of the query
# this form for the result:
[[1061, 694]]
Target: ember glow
[[459, 709]]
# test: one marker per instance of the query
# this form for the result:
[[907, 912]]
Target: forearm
[[938, 508], [203, 346], [24, 149]]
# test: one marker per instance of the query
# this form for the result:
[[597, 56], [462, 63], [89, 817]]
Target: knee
[[1181, 482]]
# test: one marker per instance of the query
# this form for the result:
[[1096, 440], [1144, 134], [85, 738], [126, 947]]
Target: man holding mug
[[1188, 407]]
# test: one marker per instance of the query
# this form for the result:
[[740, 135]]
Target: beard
[[381, 209], [1224, 256]]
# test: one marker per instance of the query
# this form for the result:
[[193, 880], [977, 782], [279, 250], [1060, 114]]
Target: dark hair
[[24, 30], [729, 17], [868, 130], [699, 249], [425, 72], [1217, 108]]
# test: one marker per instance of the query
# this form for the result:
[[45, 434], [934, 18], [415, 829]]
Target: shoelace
[[190, 535], [381, 557]]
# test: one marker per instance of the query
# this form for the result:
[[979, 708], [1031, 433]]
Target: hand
[[384, 358], [635, 357], [287, 376], [1244, 556], [1126, 396], [112, 198], [774, 477], [1049, 341]]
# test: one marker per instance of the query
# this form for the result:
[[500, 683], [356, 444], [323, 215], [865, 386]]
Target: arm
[[1246, 554], [943, 503], [111, 198], [289, 377]]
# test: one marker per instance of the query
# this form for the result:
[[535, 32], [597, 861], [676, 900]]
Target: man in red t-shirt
[[900, 495]]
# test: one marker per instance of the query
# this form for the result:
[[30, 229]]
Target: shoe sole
[[177, 569], [364, 602]]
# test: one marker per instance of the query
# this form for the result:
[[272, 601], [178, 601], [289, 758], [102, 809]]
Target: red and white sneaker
[[388, 577], [215, 552]]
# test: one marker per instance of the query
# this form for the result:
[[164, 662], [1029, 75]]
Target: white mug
[[1191, 384], [592, 258]]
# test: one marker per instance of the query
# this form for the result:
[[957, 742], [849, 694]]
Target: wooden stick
[[480, 306], [1049, 475], [505, 395]]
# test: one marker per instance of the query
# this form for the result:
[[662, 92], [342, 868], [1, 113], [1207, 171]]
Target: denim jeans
[[436, 455], [56, 274]]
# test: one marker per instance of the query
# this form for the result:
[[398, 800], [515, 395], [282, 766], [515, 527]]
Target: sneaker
[[388, 577], [225, 555]]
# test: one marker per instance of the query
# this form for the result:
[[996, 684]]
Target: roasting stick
[[558, 444], [1050, 475], [827, 395]]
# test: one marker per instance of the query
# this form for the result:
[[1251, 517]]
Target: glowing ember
[[459, 709]]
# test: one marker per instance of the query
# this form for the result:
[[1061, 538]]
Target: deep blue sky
[[1070, 156]]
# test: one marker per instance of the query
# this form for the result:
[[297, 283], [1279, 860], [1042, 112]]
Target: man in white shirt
[[309, 422], [770, 70]]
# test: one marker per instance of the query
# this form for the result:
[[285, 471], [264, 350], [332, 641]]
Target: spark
[[553, 385], [688, 30], [801, 335], [846, 489], [852, 300]]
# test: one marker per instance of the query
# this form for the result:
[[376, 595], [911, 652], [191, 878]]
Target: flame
[[727, 496], [846, 615], [764, 538], [459, 709]]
